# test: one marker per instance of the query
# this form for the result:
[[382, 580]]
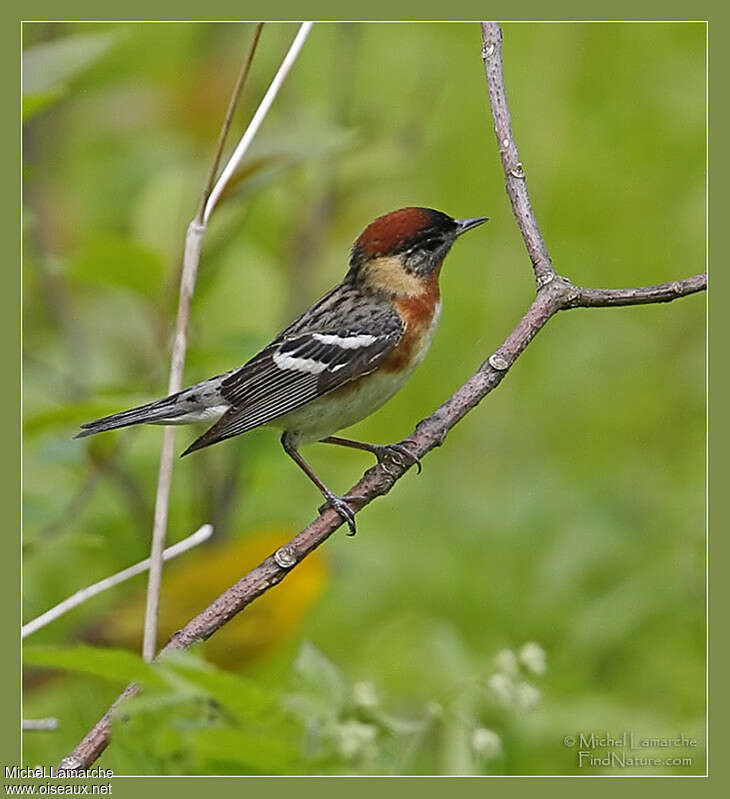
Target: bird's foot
[[341, 506], [396, 454]]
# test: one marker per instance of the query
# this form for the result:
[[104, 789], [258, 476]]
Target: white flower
[[526, 696], [532, 657], [502, 686], [364, 694], [486, 742], [353, 738], [506, 661]]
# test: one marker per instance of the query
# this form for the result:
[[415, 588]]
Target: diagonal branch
[[554, 294], [429, 433]]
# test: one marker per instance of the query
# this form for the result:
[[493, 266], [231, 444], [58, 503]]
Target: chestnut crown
[[419, 237]]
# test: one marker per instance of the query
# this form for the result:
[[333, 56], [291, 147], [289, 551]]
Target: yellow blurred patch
[[192, 583]]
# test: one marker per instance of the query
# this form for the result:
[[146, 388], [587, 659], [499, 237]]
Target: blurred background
[[545, 575]]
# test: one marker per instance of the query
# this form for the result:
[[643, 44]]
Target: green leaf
[[49, 65], [117, 665], [247, 700], [321, 675], [236, 750], [35, 103]]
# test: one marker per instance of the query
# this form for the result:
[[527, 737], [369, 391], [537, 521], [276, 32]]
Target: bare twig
[[554, 294], [257, 119], [664, 292], [516, 182], [40, 725], [191, 258], [193, 243], [203, 534], [240, 80]]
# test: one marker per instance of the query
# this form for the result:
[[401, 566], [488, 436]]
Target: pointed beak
[[467, 224]]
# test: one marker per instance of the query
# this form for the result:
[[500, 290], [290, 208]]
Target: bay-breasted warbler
[[340, 360]]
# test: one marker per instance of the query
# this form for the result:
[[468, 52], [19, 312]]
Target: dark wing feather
[[295, 370]]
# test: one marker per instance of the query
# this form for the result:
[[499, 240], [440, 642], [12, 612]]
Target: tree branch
[[514, 172], [555, 293], [663, 292]]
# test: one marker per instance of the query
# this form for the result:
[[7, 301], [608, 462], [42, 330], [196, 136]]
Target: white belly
[[328, 414]]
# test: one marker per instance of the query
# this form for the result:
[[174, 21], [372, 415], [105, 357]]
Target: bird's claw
[[398, 455], [340, 505]]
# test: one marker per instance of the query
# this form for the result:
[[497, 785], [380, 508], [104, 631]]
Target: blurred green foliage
[[567, 510]]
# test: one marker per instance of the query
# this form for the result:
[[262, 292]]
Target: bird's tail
[[158, 412]]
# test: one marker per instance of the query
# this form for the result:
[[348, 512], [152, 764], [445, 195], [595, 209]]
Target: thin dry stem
[[84, 594], [40, 725], [257, 119], [240, 81]]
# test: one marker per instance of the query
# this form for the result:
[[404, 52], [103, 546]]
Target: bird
[[338, 362]]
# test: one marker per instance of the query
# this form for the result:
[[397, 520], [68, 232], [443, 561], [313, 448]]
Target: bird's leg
[[395, 453], [338, 503]]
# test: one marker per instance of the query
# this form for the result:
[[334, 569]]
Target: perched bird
[[339, 361]]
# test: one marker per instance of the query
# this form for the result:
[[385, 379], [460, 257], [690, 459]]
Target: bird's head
[[402, 251]]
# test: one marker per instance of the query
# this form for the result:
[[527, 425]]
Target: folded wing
[[295, 370]]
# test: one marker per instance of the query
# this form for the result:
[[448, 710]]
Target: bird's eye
[[431, 245]]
